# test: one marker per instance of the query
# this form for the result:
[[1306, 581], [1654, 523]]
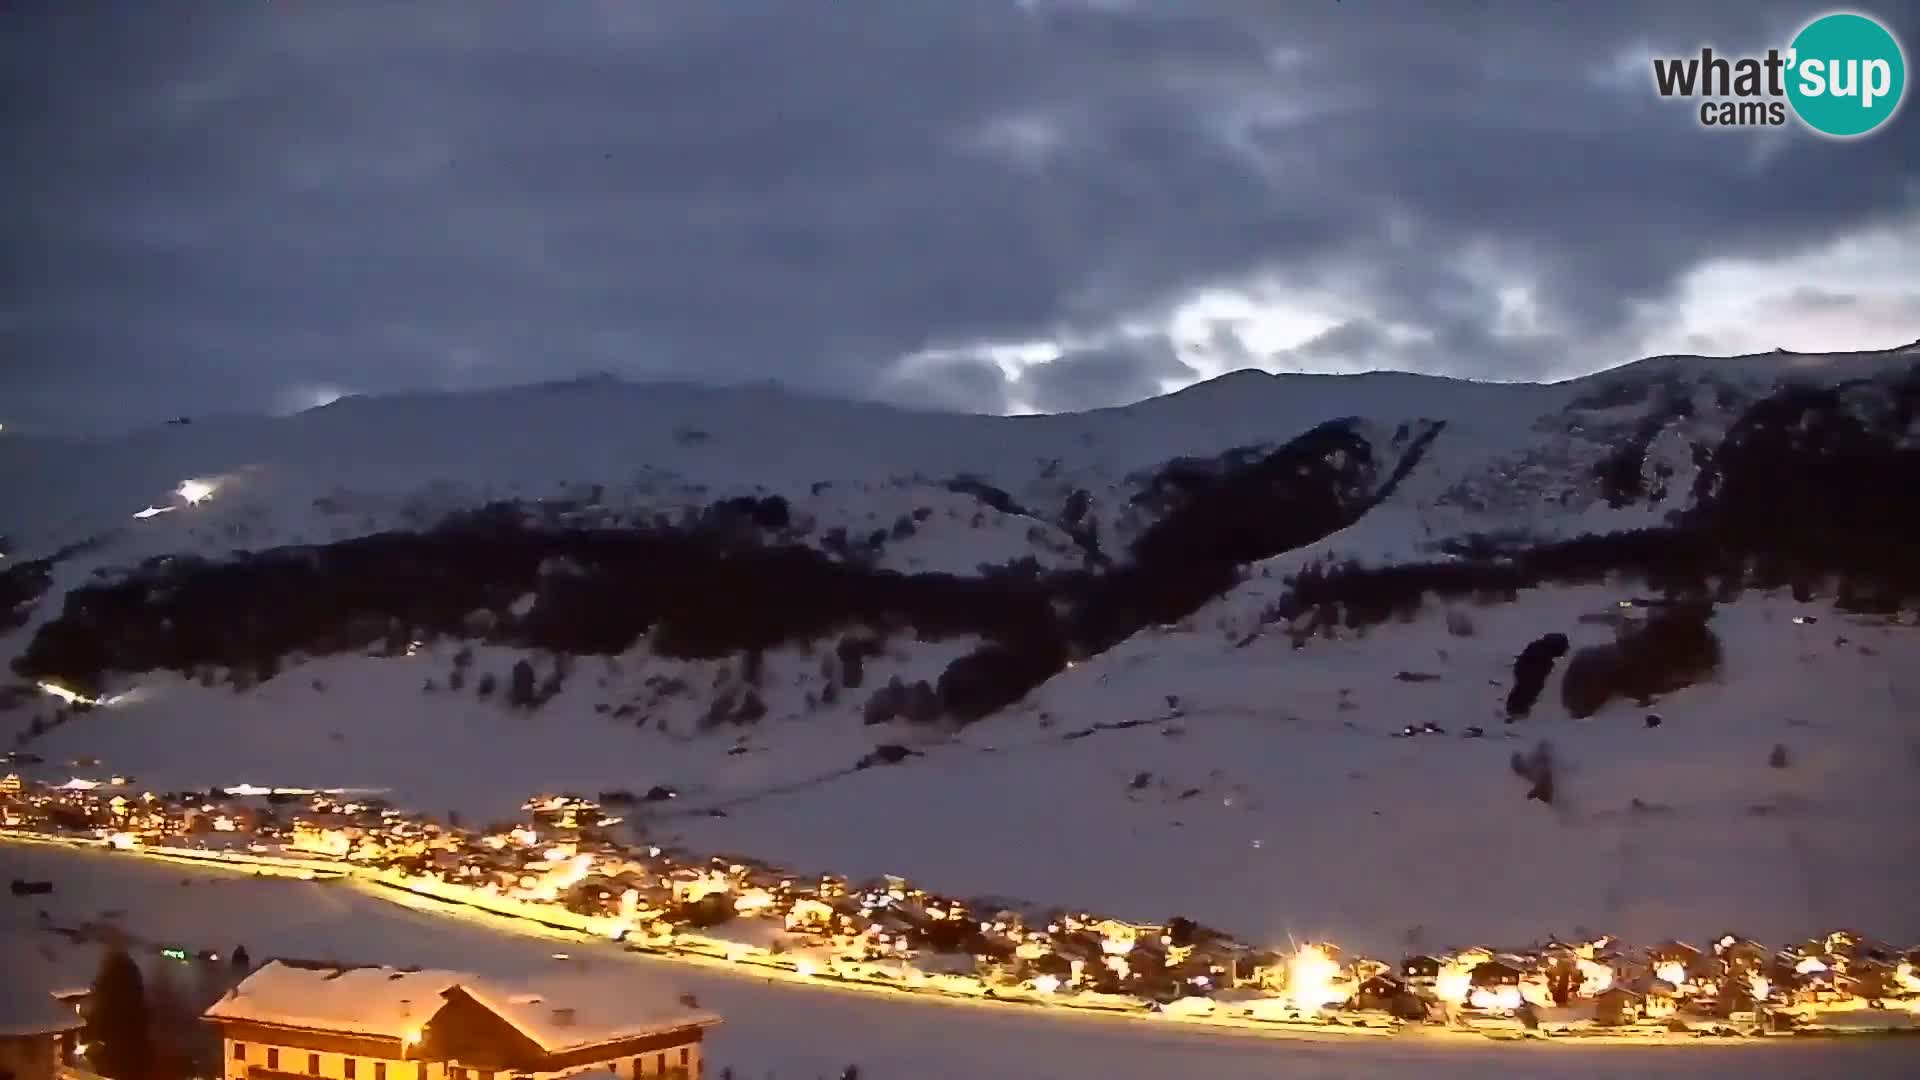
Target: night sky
[[981, 205]]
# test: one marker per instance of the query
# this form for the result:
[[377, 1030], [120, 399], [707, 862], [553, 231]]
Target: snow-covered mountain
[[1163, 657]]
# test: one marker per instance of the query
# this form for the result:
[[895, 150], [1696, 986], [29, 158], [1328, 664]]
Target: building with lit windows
[[286, 1022]]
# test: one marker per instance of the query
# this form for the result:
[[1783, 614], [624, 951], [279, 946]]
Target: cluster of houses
[[1733, 982], [563, 863]]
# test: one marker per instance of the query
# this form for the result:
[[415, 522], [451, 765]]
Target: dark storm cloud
[[1809, 298], [213, 204]]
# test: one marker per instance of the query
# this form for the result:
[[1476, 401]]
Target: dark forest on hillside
[[1802, 492]]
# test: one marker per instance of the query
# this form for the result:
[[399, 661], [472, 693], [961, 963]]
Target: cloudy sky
[[988, 205]]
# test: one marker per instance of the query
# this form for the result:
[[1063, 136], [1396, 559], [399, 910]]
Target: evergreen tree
[[240, 959], [117, 1021], [164, 1001], [520, 690], [210, 980], [171, 1025]]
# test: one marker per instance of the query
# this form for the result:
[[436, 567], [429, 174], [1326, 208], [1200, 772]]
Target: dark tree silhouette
[[165, 1003], [1591, 680], [117, 1020], [1530, 671], [520, 690], [1536, 767], [1672, 649], [171, 1024]]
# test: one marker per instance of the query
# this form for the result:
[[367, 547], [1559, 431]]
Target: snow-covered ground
[[1277, 804], [1312, 821], [777, 1032]]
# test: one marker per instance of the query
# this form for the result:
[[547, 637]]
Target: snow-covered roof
[[47, 963], [564, 1012], [25, 1010], [364, 1001], [557, 1012]]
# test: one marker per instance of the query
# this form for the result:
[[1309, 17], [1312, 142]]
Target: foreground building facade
[[295, 1023]]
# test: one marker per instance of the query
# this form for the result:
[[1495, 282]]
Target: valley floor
[[778, 1032]]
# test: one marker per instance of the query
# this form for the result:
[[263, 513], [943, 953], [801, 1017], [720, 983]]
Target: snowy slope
[[1307, 819], [364, 464], [1178, 755]]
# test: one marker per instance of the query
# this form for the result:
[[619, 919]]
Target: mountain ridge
[[1221, 589], [1177, 530]]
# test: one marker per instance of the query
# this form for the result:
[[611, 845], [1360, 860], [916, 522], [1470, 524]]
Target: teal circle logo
[[1846, 75]]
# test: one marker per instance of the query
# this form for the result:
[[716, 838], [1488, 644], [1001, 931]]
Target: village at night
[[563, 869]]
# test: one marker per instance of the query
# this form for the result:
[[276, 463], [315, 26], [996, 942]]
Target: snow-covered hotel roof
[[557, 1014], [564, 1013], [383, 1002]]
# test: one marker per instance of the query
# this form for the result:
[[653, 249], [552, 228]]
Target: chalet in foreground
[[295, 1023]]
